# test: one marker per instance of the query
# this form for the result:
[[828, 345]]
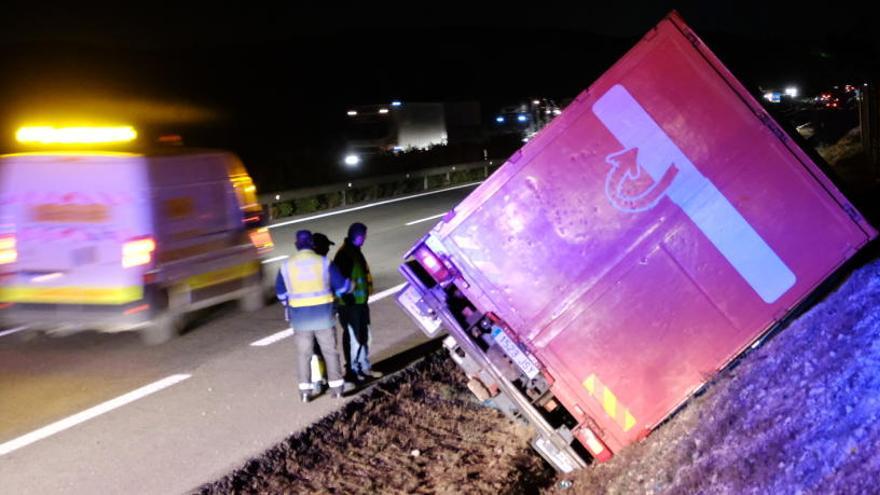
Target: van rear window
[[68, 213]]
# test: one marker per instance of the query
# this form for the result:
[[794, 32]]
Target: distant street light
[[522, 118], [383, 110], [396, 103], [352, 113], [352, 160], [499, 119], [536, 102], [791, 91]]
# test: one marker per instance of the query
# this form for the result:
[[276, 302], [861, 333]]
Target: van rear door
[[72, 216]]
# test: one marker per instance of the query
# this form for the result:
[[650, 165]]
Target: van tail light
[[431, 262], [137, 252], [261, 239], [589, 440], [8, 251]]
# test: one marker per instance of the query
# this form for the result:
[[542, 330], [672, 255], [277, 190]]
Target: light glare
[[75, 135]]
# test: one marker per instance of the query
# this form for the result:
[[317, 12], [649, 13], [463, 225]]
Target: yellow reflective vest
[[307, 277]]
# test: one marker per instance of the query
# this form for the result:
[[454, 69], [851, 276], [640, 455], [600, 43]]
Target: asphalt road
[[118, 417]]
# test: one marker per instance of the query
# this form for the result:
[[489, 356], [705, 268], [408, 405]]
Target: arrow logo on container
[[663, 161]]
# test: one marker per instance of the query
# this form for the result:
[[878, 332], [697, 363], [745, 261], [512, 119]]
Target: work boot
[[340, 392]]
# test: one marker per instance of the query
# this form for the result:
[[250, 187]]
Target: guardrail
[[307, 200]]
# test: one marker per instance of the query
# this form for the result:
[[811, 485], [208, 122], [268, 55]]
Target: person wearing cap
[[321, 245], [352, 307], [306, 285]]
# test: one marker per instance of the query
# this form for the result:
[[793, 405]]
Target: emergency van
[[653, 232], [116, 241]]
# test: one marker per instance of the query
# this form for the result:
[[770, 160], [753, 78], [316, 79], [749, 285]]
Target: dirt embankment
[[419, 432]]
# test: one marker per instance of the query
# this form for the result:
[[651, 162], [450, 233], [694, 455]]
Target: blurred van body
[[124, 241]]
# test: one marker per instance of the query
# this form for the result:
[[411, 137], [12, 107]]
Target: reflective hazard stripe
[[222, 275], [610, 404], [71, 295], [305, 295], [296, 302]]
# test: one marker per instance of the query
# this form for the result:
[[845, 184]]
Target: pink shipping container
[[642, 241]]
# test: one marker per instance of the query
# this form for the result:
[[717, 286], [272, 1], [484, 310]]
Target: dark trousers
[[355, 321]]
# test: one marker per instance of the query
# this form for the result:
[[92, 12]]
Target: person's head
[[304, 239], [357, 234], [321, 243]]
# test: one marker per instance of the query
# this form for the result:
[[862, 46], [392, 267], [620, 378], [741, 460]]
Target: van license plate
[[515, 353]]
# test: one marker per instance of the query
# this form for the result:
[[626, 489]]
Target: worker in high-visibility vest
[[353, 306], [321, 245], [305, 285]]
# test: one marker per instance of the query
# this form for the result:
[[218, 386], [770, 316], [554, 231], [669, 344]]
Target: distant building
[[404, 126]]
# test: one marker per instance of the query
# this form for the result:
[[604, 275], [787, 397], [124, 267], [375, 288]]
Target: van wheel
[[169, 322], [164, 328], [253, 300]]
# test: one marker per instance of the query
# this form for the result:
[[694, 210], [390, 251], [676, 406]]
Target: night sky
[[258, 78]]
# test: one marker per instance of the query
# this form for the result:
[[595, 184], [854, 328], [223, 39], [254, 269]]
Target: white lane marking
[[424, 219], [385, 293], [47, 277], [278, 336], [88, 414], [13, 330], [277, 258], [380, 203], [275, 337]]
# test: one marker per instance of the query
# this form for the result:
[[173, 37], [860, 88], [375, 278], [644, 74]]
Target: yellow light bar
[[75, 135], [71, 154]]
